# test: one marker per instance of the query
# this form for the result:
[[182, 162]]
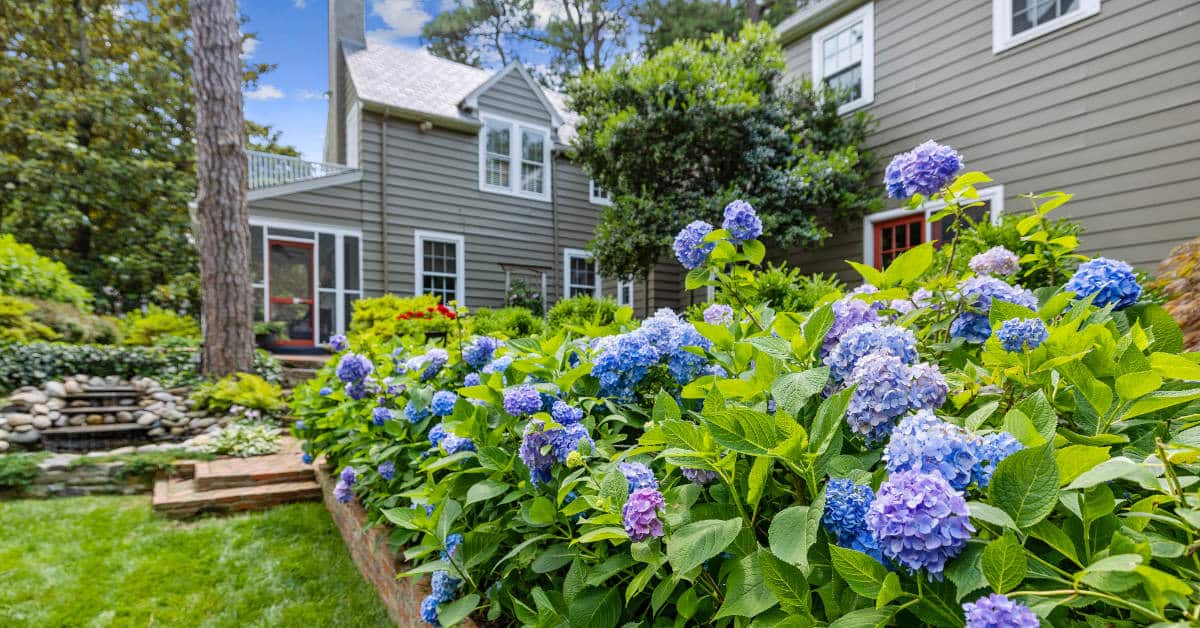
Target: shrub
[[244, 390], [790, 290], [75, 325], [144, 464], [983, 235], [391, 316], [16, 324], [505, 322], [523, 294], [243, 439], [156, 325], [582, 311], [19, 470], [25, 273], [1179, 280]]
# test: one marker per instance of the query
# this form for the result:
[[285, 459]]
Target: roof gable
[[471, 102]]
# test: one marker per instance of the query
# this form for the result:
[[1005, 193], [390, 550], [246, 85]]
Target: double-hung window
[[514, 158], [440, 266], [625, 293], [1017, 21], [597, 194], [581, 274], [843, 57]]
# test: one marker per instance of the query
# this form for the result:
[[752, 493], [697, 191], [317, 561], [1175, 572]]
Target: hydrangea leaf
[[990, 514], [981, 415], [787, 583], [861, 572], [1176, 366], [792, 390], [966, 571], [689, 546], [890, 590], [1004, 563], [596, 608], [552, 558], [746, 594], [1025, 485], [1159, 400], [743, 430], [1054, 536], [485, 490], [458, 610], [1160, 325], [1074, 460], [1039, 410], [865, 618], [793, 531], [908, 266]]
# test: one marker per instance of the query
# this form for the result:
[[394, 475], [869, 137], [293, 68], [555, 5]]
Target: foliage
[[145, 464], [144, 569], [16, 325], [979, 236], [243, 439], [523, 294], [704, 121], [18, 471], [180, 294], [1179, 279], [277, 329], [243, 390], [24, 273], [75, 325], [664, 22], [786, 288], [582, 311], [506, 322], [391, 316], [155, 325]]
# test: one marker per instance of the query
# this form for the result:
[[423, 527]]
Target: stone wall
[[61, 475]]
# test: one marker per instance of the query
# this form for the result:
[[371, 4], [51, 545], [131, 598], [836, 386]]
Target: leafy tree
[[265, 138], [663, 22], [479, 32], [585, 35], [701, 123]]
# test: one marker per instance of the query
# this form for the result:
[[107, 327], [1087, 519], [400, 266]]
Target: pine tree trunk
[[222, 220]]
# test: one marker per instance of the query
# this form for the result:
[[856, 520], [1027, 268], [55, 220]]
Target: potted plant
[[267, 333]]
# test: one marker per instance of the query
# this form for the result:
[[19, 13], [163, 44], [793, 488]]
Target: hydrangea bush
[[932, 448]]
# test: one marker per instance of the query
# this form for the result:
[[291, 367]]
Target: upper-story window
[[440, 265], [843, 57], [582, 277], [1018, 21], [503, 143], [597, 194]]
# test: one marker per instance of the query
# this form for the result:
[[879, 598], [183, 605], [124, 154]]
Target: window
[[598, 195], [503, 143], [843, 57], [625, 293], [581, 274], [888, 234], [440, 266], [1017, 21]]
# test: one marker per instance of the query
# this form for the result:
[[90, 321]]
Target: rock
[[164, 396], [79, 403], [17, 419], [145, 448], [55, 389], [58, 462], [175, 431], [25, 438], [22, 428], [3, 445], [94, 419], [40, 408], [96, 381], [122, 450], [27, 397], [124, 417], [76, 420], [4, 434], [108, 419], [56, 404], [60, 421], [126, 402], [42, 422], [156, 407], [200, 424], [148, 418], [72, 387], [196, 414]]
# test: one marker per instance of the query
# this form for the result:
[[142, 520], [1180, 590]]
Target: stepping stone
[[258, 471], [179, 498]]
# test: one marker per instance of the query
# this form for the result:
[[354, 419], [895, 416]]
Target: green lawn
[[109, 561]]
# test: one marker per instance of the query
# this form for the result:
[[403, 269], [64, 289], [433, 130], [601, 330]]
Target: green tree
[[701, 123], [480, 32], [663, 22]]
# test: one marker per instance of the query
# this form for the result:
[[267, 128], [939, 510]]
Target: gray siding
[[512, 97], [1107, 108]]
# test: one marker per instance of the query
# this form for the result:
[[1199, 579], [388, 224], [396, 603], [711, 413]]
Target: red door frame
[[310, 301], [918, 217]]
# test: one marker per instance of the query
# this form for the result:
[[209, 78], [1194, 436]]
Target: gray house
[[440, 178], [1101, 99]]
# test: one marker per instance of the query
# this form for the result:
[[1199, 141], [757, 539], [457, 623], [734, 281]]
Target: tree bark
[[222, 220]]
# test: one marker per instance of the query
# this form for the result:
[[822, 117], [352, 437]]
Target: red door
[[893, 237], [290, 272]]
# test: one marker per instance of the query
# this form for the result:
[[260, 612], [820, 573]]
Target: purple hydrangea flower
[[342, 492], [354, 367], [565, 413], [924, 443], [436, 434], [924, 170], [997, 611], [927, 387], [690, 247], [639, 475], [522, 400], [537, 453], [443, 586], [992, 448], [387, 470], [741, 222], [893, 176], [567, 439], [920, 521], [325, 391], [881, 397], [380, 415], [1020, 334], [453, 540], [848, 312], [443, 402], [471, 379], [867, 339], [429, 610], [338, 343], [453, 444], [718, 314], [479, 353], [413, 414], [701, 477], [978, 293], [357, 390], [640, 514], [349, 475], [995, 261], [1107, 281]]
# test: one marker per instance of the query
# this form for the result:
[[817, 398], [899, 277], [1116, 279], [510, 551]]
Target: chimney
[[347, 34]]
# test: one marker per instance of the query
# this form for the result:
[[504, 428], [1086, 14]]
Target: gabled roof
[[445, 91]]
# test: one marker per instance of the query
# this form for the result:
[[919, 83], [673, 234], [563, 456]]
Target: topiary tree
[[700, 123]]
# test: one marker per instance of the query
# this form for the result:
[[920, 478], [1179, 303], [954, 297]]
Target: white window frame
[[596, 199], [570, 254], [866, 15], [460, 261], [515, 157], [621, 286], [993, 194], [341, 290], [1002, 15], [353, 131]]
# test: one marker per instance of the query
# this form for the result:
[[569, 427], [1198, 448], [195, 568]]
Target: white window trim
[[568, 255], [865, 14], [340, 288], [1003, 38], [353, 131], [514, 158], [621, 285], [597, 200], [460, 254], [994, 194]]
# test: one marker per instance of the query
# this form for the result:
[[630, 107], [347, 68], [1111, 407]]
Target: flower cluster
[[338, 343], [541, 448], [880, 397], [848, 313], [624, 361], [922, 442], [429, 312], [342, 490], [387, 470], [454, 444], [522, 400], [741, 222], [718, 314], [415, 414], [380, 415], [920, 521], [1021, 334], [845, 515], [1107, 282], [354, 368], [992, 449], [997, 611], [978, 293], [870, 338], [995, 261], [640, 514], [443, 588], [436, 434], [443, 402], [481, 351], [565, 413], [690, 247], [924, 170], [701, 477], [638, 475]]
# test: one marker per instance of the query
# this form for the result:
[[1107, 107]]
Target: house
[[1097, 98], [438, 178]]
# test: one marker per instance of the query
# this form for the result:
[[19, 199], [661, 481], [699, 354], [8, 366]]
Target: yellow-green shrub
[[156, 324], [24, 273], [379, 317], [17, 326], [505, 322], [241, 389], [75, 325]]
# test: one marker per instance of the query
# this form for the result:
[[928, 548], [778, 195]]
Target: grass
[[109, 561]]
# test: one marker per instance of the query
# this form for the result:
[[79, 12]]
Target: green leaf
[[542, 511], [793, 531], [869, 273], [890, 590], [1041, 413], [1113, 469], [553, 557], [458, 610], [756, 482], [865, 618], [793, 389], [689, 546], [485, 490], [966, 571], [1025, 485], [1175, 366], [1053, 535], [665, 407], [1023, 429], [1159, 322], [742, 429], [1074, 460], [786, 581], [449, 514], [1119, 562], [909, 266], [815, 327], [1095, 391], [403, 517], [1158, 401], [864, 574], [746, 593], [1004, 563], [1132, 386], [980, 415], [990, 514], [596, 608], [606, 533], [697, 278], [754, 250], [494, 459]]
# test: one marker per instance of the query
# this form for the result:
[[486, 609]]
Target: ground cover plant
[[941, 445]]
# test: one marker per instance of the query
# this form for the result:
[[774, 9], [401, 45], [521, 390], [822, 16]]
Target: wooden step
[[179, 498], [95, 437], [98, 409], [117, 394], [233, 473], [128, 390]]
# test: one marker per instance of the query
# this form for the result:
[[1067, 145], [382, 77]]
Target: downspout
[[554, 224], [383, 223]]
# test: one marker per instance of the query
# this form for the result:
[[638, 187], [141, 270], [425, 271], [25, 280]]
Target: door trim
[[311, 301]]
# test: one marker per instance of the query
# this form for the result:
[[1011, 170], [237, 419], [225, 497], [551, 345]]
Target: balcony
[[268, 170]]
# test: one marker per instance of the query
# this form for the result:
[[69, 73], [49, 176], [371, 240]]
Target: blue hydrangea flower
[[1107, 281], [881, 397], [443, 402], [640, 514], [471, 379], [924, 443], [699, 477], [971, 327], [437, 358], [300, 425], [870, 338], [479, 353], [924, 170], [306, 458], [325, 391], [453, 540], [429, 610], [920, 521], [978, 293], [443, 586], [436, 434], [429, 508], [387, 470], [997, 611], [992, 448], [566, 440], [338, 343], [927, 387], [846, 504], [413, 414], [499, 365], [342, 491], [1021, 334], [848, 312], [453, 444], [354, 367], [638, 475], [893, 176], [718, 314], [741, 222], [623, 363], [690, 247], [380, 415], [995, 261], [522, 400], [349, 475], [537, 453], [565, 413]]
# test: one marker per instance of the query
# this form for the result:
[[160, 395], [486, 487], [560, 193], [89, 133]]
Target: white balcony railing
[[269, 170]]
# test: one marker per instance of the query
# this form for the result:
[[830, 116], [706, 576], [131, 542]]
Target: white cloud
[[265, 92], [308, 94], [404, 18], [543, 10], [249, 45], [299, 4]]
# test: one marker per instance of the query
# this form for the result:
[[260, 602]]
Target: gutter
[[813, 16], [383, 212], [421, 116]]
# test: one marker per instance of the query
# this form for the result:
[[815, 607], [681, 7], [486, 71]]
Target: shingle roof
[[418, 81]]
